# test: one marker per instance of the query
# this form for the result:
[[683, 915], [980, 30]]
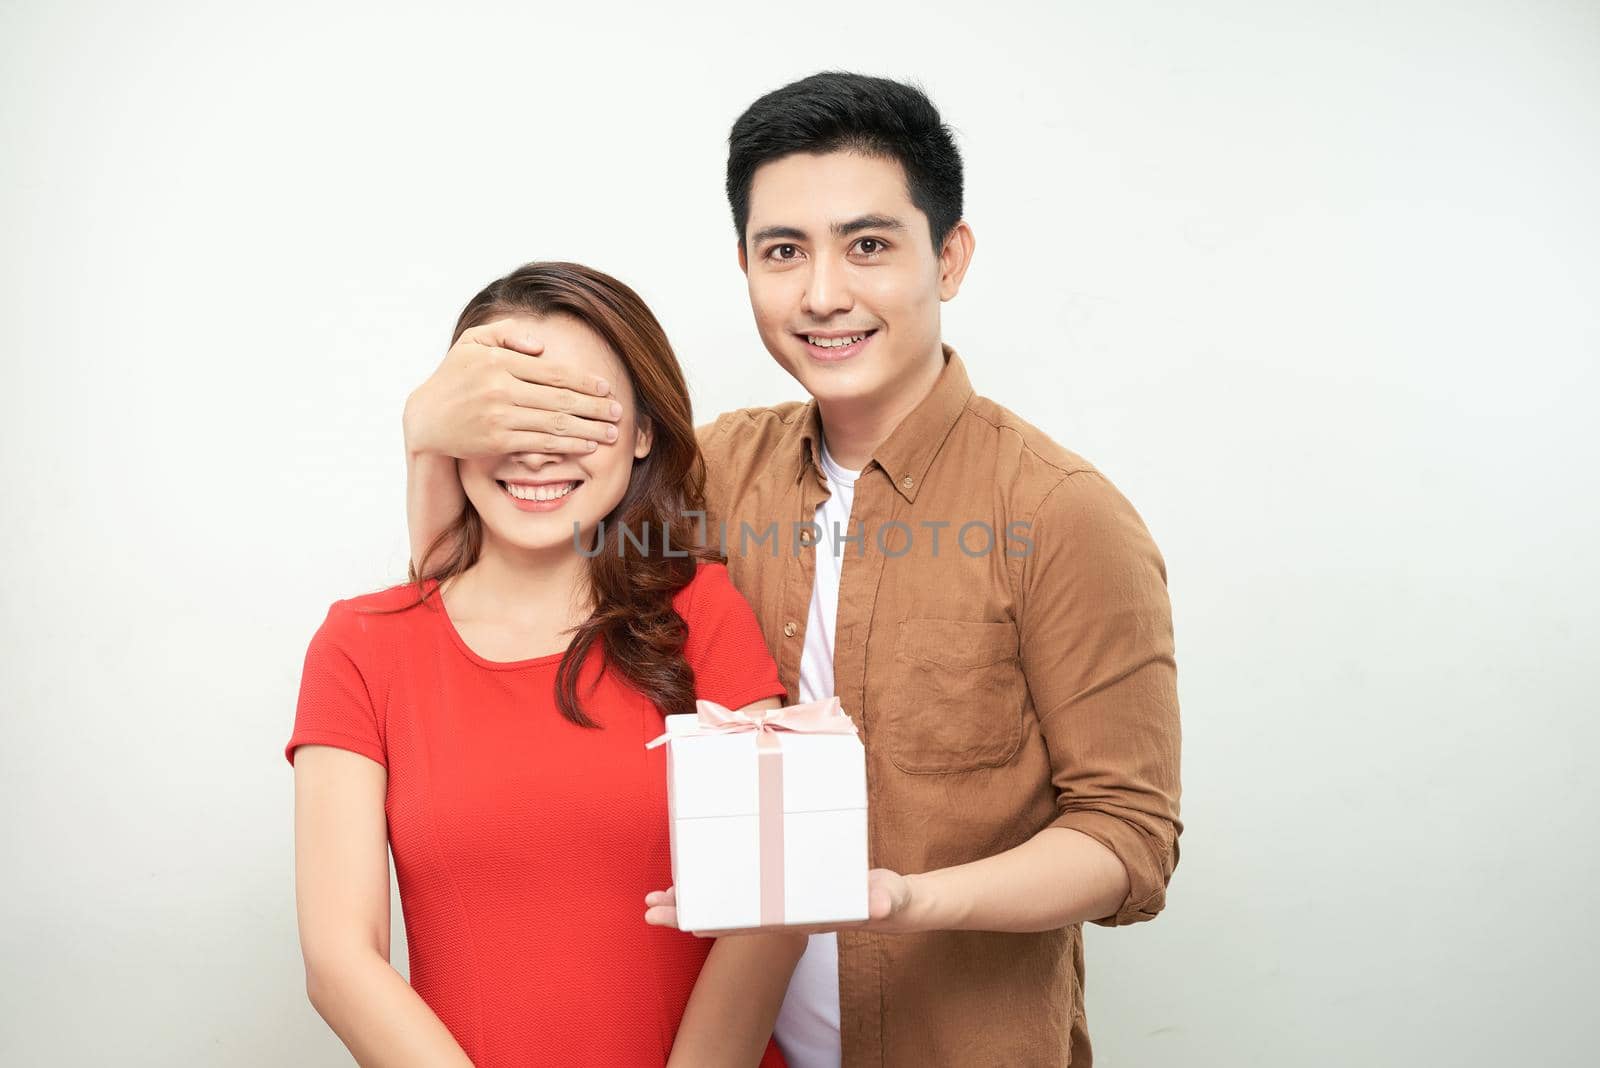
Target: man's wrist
[[411, 429], [937, 902]]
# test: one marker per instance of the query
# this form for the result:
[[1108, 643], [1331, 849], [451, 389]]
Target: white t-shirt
[[808, 1024]]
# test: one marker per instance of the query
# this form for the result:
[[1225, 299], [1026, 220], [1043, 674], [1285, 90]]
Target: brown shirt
[[1009, 670]]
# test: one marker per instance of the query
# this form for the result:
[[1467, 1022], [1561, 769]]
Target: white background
[[1314, 284]]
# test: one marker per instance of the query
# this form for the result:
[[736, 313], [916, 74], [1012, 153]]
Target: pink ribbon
[[813, 717]]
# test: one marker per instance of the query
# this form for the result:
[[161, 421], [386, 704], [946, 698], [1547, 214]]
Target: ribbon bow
[[813, 717]]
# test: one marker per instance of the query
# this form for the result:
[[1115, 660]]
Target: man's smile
[[831, 346]]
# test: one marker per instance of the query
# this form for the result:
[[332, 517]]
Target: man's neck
[[855, 428]]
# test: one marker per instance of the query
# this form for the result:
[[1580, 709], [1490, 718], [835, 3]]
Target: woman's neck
[[522, 589]]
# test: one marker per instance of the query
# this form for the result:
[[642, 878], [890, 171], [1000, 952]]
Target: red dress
[[524, 844]]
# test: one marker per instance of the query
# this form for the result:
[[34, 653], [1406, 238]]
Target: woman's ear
[[643, 437]]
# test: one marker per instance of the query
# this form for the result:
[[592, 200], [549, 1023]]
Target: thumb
[[887, 893], [518, 335]]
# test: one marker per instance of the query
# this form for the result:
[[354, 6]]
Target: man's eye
[[783, 252], [870, 246]]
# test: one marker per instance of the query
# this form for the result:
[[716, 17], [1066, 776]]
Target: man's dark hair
[[835, 111]]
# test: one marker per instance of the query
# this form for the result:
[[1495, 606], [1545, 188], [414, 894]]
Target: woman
[[487, 722]]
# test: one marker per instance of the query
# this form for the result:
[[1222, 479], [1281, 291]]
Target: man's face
[[844, 280]]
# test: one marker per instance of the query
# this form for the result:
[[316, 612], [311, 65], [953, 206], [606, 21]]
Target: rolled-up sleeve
[[1097, 650]]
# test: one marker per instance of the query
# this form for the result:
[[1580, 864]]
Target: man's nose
[[827, 289]]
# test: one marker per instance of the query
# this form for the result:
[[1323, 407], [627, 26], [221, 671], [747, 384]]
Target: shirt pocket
[[955, 696]]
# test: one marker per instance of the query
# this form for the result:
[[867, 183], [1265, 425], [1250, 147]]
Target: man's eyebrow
[[841, 229], [867, 222], [773, 232]]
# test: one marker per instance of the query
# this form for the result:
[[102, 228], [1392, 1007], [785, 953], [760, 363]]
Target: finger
[[568, 401], [661, 916], [515, 334], [880, 903], [791, 929], [558, 425], [533, 441], [547, 373], [531, 411], [798, 929]]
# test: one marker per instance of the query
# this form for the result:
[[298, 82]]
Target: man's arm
[[491, 396], [434, 498], [1097, 649], [1057, 877]]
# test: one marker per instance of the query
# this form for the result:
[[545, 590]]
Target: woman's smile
[[538, 496]]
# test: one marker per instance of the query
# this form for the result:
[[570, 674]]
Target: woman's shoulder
[[732, 664], [710, 586], [395, 608]]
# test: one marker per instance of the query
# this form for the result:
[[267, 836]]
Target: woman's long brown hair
[[640, 634]]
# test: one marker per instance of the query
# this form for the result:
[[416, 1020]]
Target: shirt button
[[805, 537], [789, 628], [906, 482]]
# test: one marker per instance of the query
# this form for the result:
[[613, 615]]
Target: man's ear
[[744, 265], [954, 259], [643, 438]]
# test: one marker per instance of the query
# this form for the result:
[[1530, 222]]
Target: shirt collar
[[908, 452]]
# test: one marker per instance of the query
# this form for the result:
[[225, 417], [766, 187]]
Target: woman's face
[[531, 500]]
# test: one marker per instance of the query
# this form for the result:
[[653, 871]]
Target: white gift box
[[768, 824]]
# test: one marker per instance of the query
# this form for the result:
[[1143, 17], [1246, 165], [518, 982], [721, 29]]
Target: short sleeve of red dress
[[731, 662], [335, 706]]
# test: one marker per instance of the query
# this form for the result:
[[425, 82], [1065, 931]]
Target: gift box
[[767, 816]]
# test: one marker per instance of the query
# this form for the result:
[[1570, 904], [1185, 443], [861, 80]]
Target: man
[[990, 609]]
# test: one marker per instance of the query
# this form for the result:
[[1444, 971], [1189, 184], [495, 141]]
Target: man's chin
[[838, 386]]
